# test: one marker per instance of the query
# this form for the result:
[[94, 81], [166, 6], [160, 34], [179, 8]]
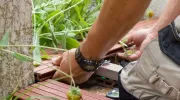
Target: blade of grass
[[33, 46], [41, 97], [4, 40], [52, 34], [70, 67], [69, 31], [63, 41], [58, 14], [36, 51]]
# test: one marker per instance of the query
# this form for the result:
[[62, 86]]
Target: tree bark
[[15, 18]]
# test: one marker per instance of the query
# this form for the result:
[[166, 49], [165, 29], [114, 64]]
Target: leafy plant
[[63, 21], [74, 94], [125, 46]]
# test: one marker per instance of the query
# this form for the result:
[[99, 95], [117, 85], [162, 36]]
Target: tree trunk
[[15, 18]]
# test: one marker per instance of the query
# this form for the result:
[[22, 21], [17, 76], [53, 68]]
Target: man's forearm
[[116, 18], [171, 11]]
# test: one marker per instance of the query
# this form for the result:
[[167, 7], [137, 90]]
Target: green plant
[[62, 22], [125, 46], [74, 93]]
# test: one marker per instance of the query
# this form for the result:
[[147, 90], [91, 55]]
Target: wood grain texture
[[54, 89], [15, 18]]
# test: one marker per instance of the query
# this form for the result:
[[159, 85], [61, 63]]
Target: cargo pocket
[[159, 84], [147, 63]]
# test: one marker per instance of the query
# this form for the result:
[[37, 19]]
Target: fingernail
[[54, 60]]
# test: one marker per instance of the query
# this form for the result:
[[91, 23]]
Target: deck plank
[[20, 96], [84, 92], [62, 89], [42, 92], [54, 89], [50, 90], [32, 94]]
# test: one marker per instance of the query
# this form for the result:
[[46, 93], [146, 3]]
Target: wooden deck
[[44, 71], [54, 89]]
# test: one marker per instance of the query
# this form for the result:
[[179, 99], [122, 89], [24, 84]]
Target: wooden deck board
[[40, 68], [54, 89], [83, 91], [31, 94], [44, 72], [62, 89], [44, 93], [50, 90], [21, 97]]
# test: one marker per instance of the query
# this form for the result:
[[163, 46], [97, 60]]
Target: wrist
[[88, 52], [86, 64], [155, 28]]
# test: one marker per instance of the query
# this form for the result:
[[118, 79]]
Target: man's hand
[[64, 62], [140, 39]]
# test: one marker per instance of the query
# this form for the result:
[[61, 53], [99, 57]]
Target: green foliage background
[[63, 21]]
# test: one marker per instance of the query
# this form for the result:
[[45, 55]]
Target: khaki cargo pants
[[153, 77]]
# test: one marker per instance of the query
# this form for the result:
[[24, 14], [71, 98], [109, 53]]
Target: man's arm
[[142, 37], [116, 18], [170, 13]]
